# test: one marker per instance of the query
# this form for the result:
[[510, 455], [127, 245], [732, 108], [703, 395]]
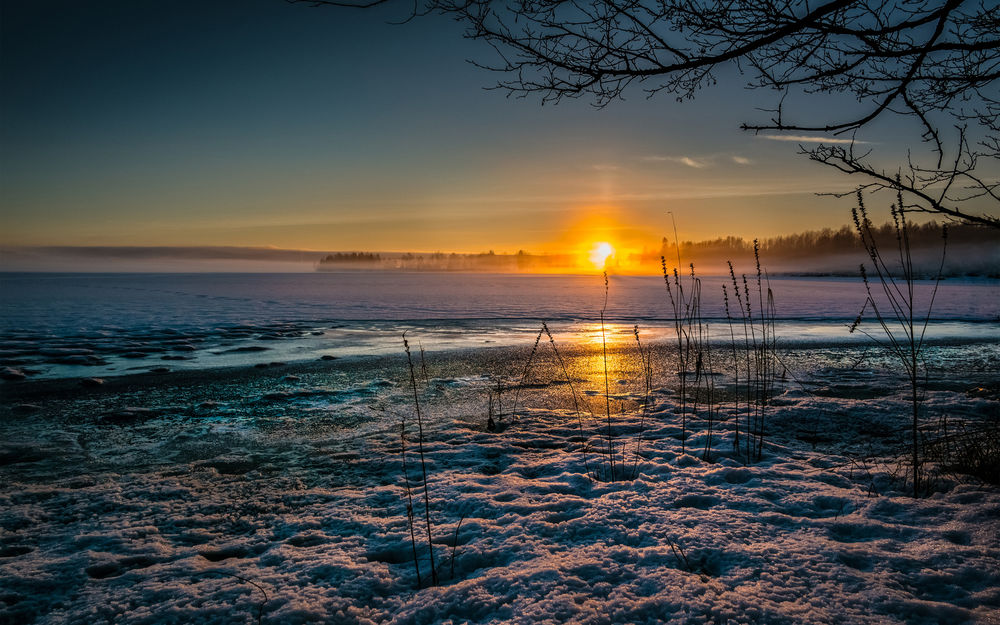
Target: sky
[[266, 124]]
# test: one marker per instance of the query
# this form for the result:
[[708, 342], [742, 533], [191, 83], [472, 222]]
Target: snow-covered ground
[[280, 498]]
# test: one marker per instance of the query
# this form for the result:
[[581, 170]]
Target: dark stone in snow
[[248, 348], [104, 570], [89, 361], [65, 351], [14, 550], [696, 501], [17, 454], [128, 415], [14, 375], [327, 357], [217, 555]]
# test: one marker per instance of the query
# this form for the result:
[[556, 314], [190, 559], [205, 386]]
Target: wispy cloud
[[692, 162], [697, 162], [605, 167], [808, 139]]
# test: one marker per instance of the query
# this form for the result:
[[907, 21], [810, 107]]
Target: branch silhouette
[[933, 61]]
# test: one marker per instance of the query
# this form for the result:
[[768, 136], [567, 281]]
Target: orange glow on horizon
[[600, 253], [602, 237]]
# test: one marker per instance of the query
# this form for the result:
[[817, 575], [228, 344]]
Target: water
[[59, 325]]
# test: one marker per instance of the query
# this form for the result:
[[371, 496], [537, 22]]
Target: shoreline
[[504, 361], [470, 357], [187, 492]]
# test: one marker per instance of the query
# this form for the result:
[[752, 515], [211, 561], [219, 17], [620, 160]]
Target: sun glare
[[600, 253]]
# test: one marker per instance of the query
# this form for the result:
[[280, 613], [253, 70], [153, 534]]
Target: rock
[[12, 551], [104, 570], [291, 378], [327, 357], [247, 348], [130, 414], [217, 555], [91, 382], [65, 351], [78, 359], [14, 375]]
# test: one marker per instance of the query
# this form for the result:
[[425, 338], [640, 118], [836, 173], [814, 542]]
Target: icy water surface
[[69, 325]]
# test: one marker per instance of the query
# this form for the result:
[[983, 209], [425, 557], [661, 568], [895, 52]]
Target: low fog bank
[[157, 259], [959, 260], [971, 251], [967, 249]]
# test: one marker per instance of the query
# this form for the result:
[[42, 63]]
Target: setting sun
[[600, 253]]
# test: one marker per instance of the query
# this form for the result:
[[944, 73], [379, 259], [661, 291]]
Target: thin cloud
[[697, 162], [808, 139], [691, 162]]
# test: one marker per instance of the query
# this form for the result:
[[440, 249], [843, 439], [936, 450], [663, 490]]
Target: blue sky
[[262, 123]]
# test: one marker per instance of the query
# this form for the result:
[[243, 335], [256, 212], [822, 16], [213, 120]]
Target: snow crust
[[189, 512]]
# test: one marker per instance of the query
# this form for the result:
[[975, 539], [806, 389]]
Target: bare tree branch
[[936, 61]]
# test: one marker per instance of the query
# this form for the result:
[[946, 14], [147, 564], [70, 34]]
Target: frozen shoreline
[[226, 349]]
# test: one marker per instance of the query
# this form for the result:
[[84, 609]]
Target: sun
[[600, 253]]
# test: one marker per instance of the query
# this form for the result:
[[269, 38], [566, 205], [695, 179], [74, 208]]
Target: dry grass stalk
[[576, 403], [423, 463], [607, 388], [524, 375], [899, 311]]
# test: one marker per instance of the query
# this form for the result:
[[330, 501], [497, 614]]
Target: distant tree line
[[972, 250], [828, 242], [352, 257], [489, 261]]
